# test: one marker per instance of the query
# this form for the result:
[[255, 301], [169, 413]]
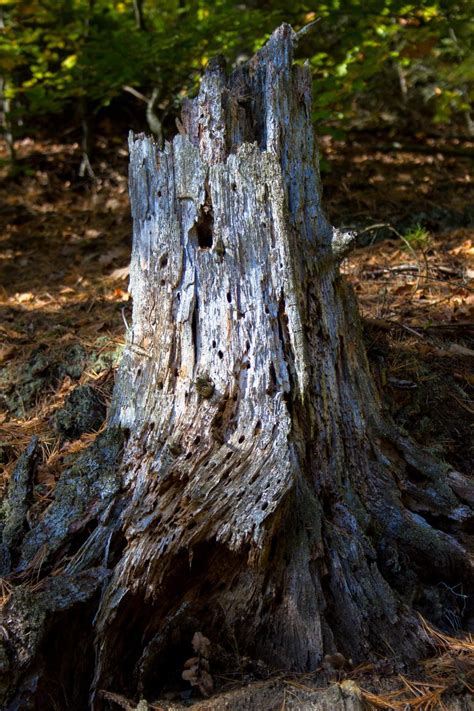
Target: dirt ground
[[64, 305]]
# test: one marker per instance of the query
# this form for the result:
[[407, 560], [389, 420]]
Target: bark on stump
[[249, 485]]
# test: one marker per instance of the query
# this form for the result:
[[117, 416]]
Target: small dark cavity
[[205, 223], [164, 261], [214, 344], [229, 297], [220, 354], [258, 428], [204, 232], [160, 385], [159, 193], [241, 439], [194, 326], [189, 455], [233, 186], [197, 440], [162, 282], [273, 375]]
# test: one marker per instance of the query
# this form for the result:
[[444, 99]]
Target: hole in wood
[[159, 193], [164, 261], [197, 440], [220, 354], [229, 297], [214, 344], [241, 439], [205, 223], [258, 428], [273, 375]]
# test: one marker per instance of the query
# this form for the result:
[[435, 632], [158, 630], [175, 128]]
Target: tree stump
[[250, 485]]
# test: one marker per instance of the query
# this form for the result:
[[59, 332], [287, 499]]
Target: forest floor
[[65, 249]]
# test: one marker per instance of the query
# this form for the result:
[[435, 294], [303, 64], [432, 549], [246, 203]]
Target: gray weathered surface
[[263, 497]]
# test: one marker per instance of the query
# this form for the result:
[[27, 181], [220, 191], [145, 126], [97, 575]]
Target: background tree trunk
[[249, 485]]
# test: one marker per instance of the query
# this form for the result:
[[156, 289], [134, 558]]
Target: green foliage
[[371, 59], [417, 238]]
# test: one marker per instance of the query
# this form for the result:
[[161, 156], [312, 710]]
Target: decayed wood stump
[[249, 485]]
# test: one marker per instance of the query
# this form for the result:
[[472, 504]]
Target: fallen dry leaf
[[25, 297], [120, 273]]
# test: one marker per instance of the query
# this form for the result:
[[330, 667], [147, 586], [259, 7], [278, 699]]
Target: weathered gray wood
[[263, 498]]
